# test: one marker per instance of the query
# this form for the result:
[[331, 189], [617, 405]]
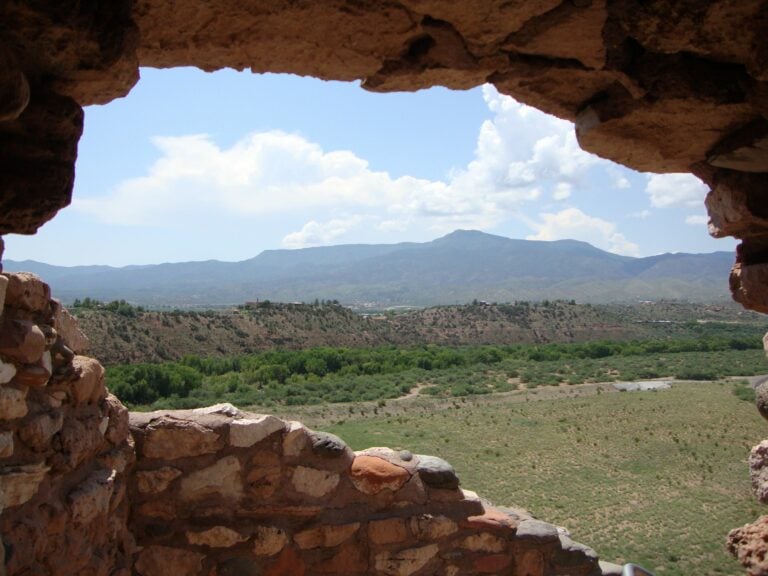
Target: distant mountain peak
[[456, 268]]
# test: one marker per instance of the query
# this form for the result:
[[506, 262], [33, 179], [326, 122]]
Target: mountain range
[[460, 267]]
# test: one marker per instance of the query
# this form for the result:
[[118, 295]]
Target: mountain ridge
[[458, 267]]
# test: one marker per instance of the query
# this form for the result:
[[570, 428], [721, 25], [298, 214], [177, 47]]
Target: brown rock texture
[[328, 510], [64, 449], [748, 545]]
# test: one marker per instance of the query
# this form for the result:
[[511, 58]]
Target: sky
[[197, 166]]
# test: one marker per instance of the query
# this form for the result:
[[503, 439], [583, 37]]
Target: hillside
[[151, 336], [456, 268]]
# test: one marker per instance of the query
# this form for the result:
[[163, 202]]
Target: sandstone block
[[296, 439], [758, 470], [27, 291], [437, 473], [493, 564], [69, 332], [6, 444], [265, 474], [221, 479], [89, 387], [249, 431], [224, 409], [216, 537], [537, 531], [91, 498], [371, 475], [38, 432], [531, 562], [483, 542], [388, 531], [81, 439], [350, 558], [21, 341], [13, 402], [18, 484], [169, 439], [761, 393], [118, 429], [327, 445], [37, 374], [269, 540], [7, 371], [610, 569], [165, 561], [313, 482], [288, 562], [429, 527], [405, 562], [572, 555], [161, 509], [154, 481], [491, 519], [326, 536]]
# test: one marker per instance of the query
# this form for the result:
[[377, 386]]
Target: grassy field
[[656, 478]]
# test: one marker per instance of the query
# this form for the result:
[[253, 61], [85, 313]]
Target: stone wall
[[65, 451], [87, 489], [219, 491]]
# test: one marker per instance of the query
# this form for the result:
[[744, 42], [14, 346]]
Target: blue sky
[[195, 166]]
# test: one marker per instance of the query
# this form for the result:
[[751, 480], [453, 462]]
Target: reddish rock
[[388, 531], [758, 470], [269, 540], [37, 374], [154, 481], [326, 536], [164, 561], [91, 498], [492, 519], [13, 403], [492, 564], [749, 544], [289, 563], [350, 558], [37, 432], [27, 291], [21, 341], [371, 475], [89, 387], [170, 438], [69, 331], [18, 484]]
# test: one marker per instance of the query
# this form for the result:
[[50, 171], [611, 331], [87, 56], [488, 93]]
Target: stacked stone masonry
[[65, 450], [87, 489]]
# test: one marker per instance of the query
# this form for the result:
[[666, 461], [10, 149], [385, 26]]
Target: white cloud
[[641, 214], [316, 234], [562, 191], [697, 220], [575, 224], [521, 157], [668, 190]]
